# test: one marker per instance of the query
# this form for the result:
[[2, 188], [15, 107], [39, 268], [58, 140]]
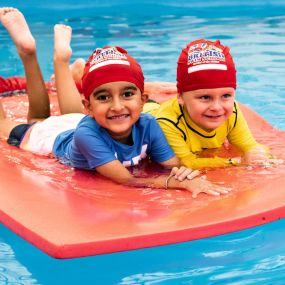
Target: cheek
[[136, 107], [228, 111], [195, 109], [230, 107], [95, 111]]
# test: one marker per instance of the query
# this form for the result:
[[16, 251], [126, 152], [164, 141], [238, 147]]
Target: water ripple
[[11, 271]]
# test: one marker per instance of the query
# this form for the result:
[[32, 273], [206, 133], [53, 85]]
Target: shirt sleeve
[[160, 149], [194, 162], [93, 147]]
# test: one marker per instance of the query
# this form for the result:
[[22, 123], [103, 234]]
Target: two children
[[205, 115], [113, 135]]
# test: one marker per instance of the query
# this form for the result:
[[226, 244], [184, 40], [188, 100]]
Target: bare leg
[[68, 96], [15, 23], [76, 68]]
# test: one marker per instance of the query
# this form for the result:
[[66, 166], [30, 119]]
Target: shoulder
[[146, 122], [236, 116], [88, 122], [169, 110], [171, 106], [147, 126], [86, 127], [145, 119]]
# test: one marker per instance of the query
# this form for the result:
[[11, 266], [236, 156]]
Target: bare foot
[[14, 22], [62, 38]]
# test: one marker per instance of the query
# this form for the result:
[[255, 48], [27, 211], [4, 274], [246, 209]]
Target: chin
[[210, 128], [120, 132]]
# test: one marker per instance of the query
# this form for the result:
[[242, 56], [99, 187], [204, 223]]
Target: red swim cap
[[205, 64], [110, 64]]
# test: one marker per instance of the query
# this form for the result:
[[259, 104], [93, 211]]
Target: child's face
[[116, 106], [209, 108]]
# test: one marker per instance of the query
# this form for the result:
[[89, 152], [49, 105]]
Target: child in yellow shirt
[[205, 114]]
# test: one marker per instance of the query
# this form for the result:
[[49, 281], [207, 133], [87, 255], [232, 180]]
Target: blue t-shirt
[[89, 145]]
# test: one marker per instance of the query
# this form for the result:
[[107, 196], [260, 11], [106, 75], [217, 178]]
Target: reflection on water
[[248, 257], [12, 272]]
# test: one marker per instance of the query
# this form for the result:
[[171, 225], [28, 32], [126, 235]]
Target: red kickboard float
[[72, 213]]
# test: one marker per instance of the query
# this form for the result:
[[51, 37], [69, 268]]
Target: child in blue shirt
[[113, 135]]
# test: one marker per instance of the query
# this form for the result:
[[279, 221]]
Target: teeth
[[118, 117]]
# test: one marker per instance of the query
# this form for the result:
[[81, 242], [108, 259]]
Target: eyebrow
[[98, 92], [131, 87]]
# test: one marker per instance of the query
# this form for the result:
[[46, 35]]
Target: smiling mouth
[[118, 117], [214, 117]]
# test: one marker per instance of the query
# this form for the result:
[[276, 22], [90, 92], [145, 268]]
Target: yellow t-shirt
[[187, 139]]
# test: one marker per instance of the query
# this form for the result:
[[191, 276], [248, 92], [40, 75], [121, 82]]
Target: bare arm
[[172, 162], [115, 171]]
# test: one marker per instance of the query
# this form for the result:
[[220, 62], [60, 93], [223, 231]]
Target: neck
[[125, 140]]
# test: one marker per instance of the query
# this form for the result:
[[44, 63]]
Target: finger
[[180, 170], [174, 170], [207, 191], [212, 192], [193, 174], [194, 195], [223, 190], [182, 173]]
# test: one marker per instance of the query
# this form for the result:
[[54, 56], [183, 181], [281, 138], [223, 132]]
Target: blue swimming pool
[[155, 33]]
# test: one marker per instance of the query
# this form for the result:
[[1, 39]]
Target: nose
[[215, 105], [117, 104]]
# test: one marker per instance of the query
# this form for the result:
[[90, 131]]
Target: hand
[[183, 173], [202, 185], [267, 162], [259, 157]]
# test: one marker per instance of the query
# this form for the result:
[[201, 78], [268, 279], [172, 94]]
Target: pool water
[[154, 33]]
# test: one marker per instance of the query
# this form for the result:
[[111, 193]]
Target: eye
[[227, 96], [103, 98], [205, 98], [128, 94]]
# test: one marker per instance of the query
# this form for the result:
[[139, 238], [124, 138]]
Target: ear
[[87, 105], [145, 97], [180, 99]]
